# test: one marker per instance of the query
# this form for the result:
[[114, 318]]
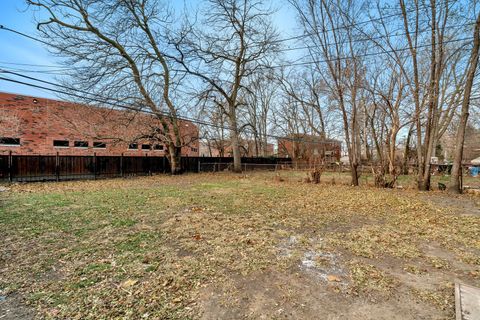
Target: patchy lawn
[[230, 246]]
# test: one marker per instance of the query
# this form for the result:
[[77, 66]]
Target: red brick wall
[[38, 121], [303, 147]]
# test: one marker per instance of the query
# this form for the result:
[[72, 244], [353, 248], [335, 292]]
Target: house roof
[[308, 138]]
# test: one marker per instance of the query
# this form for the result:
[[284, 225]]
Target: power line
[[33, 65], [47, 71], [159, 113], [368, 39], [345, 26], [2, 27], [369, 54]]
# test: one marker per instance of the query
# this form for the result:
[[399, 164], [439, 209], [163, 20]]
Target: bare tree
[[426, 67], [260, 100], [455, 183], [121, 48], [235, 39], [289, 122], [306, 88], [329, 28], [214, 135], [387, 115]]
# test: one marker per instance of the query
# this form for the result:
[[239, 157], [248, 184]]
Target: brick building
[[309, 148], [30, 125]]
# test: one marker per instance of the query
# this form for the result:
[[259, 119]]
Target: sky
[[18, 52]]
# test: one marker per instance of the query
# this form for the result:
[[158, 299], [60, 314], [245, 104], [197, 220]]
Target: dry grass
[[148, 247]]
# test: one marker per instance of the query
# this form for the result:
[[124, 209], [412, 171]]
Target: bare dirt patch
[[295, 295], [465, 204], [13, 307]]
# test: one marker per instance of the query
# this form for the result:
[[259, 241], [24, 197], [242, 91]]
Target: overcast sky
[[22, 54]]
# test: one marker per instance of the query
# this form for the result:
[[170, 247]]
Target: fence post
[[57, 167], [461, 178], [10, 166], [148, 164], [198, 165], [94, 166], [121, 165]]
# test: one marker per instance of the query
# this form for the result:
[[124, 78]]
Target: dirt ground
[[224, 246]]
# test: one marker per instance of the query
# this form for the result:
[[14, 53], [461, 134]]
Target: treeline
[[382, 76]]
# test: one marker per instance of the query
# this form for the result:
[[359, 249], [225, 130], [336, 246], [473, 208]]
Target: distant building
[[471, 147], [222, 148], [38, 126], [309, 148], [207, 149]]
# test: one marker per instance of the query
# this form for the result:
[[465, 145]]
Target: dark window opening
[[194, 149], [60, 143], [80, 144], [98, 144], [133, 146], [146, 147], [8, 141], [158, 147]]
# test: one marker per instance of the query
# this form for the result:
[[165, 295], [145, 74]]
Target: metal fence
[[57, 167]]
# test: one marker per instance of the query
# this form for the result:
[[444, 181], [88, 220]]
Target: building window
[[60, 143], [8, 141], [158, 147], [133, 146], [99, 145], [194, 149], [146, 147], [80, 144]]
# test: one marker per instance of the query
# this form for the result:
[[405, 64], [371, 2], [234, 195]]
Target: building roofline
[[301, 136], [87, 105], [33, 97]]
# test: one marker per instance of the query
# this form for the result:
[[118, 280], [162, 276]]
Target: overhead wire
[[157, 113]]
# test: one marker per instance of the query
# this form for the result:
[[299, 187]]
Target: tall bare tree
[[121, 48], [233, 41], [387, 115], [455, 183], [424, 58], [260, 100], [329, 29]]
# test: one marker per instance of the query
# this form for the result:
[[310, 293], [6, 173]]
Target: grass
[[150, 247]]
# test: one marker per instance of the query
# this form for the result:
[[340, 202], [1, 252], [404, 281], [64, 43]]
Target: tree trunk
[[455, 184], [354, 173], [237, 160], [174, 157], [406, 152]]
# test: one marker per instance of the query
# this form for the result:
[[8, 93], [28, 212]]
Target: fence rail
[[58, 167]]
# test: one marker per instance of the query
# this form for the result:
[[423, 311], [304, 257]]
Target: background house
[[471, 149], [30, 125], [309, 148]]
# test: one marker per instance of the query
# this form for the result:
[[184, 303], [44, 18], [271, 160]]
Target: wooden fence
[[58, 167]]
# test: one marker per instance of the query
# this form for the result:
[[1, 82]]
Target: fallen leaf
[[333, 278], [129, 283]]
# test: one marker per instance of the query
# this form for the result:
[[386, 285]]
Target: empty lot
[[225, 246]]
